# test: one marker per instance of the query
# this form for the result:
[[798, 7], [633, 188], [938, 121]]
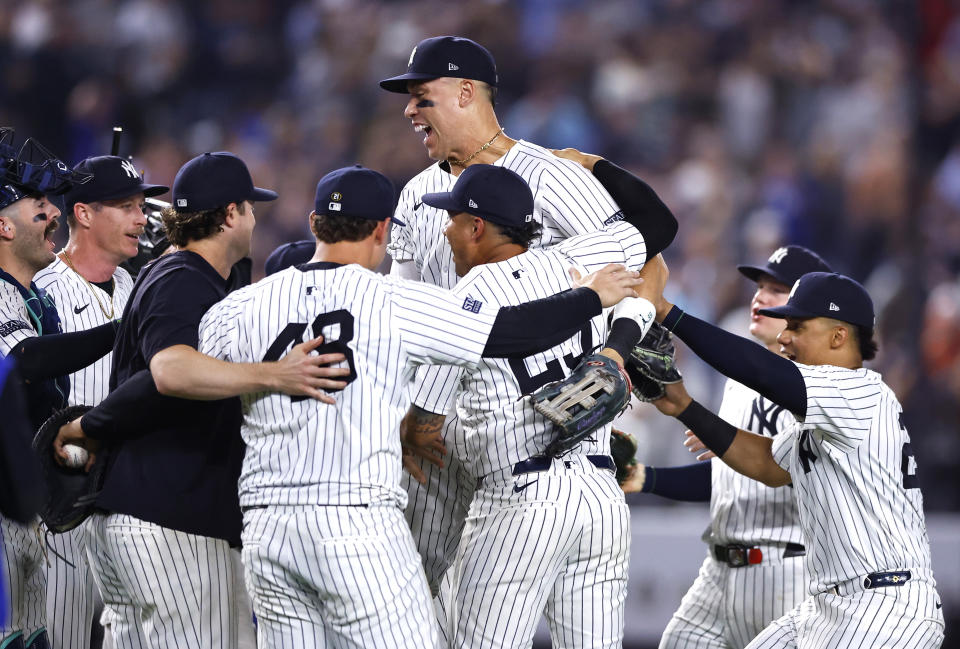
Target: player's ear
[[468, 92], [7, 229], [380, 232], [839, 336], [82, 214], [479, 227]]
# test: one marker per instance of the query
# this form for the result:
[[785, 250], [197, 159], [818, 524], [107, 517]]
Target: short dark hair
[[184, 227], [331, 228], [522, 235], [491, 92], [866, 341]]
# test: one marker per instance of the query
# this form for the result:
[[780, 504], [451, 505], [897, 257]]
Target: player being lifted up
[[848, 457], [452, 86], [329, 557]]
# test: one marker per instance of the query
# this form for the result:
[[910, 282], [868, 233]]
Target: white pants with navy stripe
[[727, 607], [332, 576], [179, 587], [556, 542], [24, 577], [904, 617]]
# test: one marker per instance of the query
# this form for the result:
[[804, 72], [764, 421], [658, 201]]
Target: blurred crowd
[[834, 124]]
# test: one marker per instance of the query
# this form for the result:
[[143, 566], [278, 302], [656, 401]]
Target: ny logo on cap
[[834, 307], [472, 204], [452, 66], [130, 169], [778, 255]]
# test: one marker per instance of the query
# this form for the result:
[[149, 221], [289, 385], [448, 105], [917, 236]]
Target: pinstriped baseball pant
[[905, 617], [180, 587], [727, 607], [556, 543], [24, 577], [71, 591], [336, 576]]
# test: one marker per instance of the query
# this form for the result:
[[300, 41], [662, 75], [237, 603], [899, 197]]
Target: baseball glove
[[70, 493], [593, 395], [651, 364], [623, 448]]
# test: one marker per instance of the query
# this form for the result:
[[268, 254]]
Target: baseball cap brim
[[754, 273], [260, 194], [443, 201], [787, 311], [399, 83]]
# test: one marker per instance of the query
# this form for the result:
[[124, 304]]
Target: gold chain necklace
[[113, 284], [463, 163]]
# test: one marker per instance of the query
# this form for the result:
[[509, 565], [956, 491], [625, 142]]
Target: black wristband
[[672, 318], [649, 479], [625, 333], [715, 433]]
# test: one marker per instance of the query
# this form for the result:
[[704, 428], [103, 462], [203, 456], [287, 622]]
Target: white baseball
[[77, 456]]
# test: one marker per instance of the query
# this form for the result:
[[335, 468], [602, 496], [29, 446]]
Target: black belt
[[738, 556], [875, 580], [542, 463]]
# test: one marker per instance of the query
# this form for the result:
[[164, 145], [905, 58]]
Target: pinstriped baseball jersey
[[568, 201], [743, 510], [855, 478], [79, 306], [302, 451], [497, 429]]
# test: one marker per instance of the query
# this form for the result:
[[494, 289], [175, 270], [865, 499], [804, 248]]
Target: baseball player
[[754, 571], [329, 558], [452, 83], [542, 534], [848, 457], [30, 332], [105, 218], [159, 548]]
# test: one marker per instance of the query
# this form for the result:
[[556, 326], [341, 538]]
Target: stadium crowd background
[[832, 124]]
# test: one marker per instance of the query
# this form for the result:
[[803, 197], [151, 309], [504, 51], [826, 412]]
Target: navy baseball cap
[[113, 177], [493, 193], [290, 254], [213, 180], [787, 264], [445, 56], [826, 295], [358, 192]]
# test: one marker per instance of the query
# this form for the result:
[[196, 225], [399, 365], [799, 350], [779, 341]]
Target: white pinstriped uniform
[[71, 597], [557, 541], [23, 552], [726, 607], [329, 558], [568, 200], [861, 511]]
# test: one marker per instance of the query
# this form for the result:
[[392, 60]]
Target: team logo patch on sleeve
[[616, 216], [469, 304], [8, 328]]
